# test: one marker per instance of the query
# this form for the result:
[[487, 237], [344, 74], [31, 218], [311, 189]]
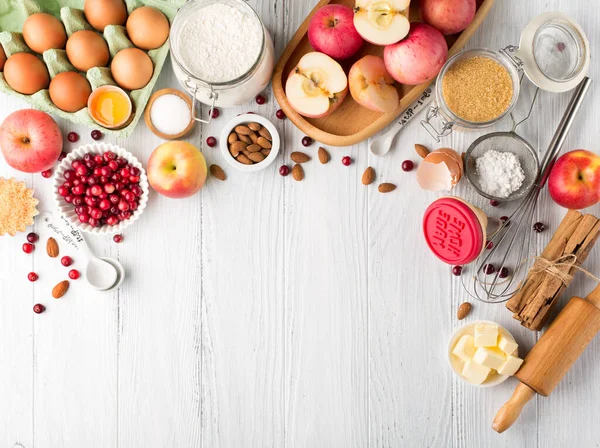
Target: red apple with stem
[[331, 31], [574, 181]]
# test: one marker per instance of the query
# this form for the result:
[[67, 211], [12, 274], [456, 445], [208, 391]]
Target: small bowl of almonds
[[250, 142]]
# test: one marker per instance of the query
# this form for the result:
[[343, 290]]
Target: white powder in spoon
[[500, 173]]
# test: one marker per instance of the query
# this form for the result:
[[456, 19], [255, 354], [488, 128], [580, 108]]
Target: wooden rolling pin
[[553, 355]]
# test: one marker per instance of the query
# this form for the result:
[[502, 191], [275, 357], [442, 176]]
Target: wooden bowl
[[148, 120]]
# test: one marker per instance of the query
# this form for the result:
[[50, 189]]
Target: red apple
[[372, 86], [574, 181], [419, 57], [382, 22], [448, 16], [331, 31], [30, 140], [177, 169]]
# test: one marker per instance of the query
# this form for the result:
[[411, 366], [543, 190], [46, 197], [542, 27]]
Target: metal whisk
[[493, 281]]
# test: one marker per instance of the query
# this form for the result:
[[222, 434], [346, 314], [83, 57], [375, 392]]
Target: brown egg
[[131, 68], [2, 58], [25, 73], [87, 49], [147, 28], [69, 91], [43, 31], [100, 13]]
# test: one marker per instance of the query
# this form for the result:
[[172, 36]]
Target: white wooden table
[[268, 313]]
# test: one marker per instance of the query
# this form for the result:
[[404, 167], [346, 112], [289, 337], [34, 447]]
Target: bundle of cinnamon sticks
[[573, 240]]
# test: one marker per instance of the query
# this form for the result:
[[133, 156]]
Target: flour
[[500, 173], [220, 43]]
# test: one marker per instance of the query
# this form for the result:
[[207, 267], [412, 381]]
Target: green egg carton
[[12, 16]]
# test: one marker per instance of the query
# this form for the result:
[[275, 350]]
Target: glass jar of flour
[[222, 54]]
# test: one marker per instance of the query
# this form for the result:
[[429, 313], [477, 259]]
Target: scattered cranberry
[[47, 174], [32, 277], [280, 114], [73, 274], [28, 248], [494, 203], [72, 137], [284, 170], [489, 269], [96, 134], [346, 161], [32, 237], [457, 270], [62, 156], [539, 227], [307, 141], [260, 99], [489, 245], [215, 113], [504, 272], [407, 165], [38, 308], [503, 219], [66, 261], [211, 142], [118, 238]]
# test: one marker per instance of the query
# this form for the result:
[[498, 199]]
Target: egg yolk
[[111, 108]]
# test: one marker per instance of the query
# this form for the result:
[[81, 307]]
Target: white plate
[[68, 210]]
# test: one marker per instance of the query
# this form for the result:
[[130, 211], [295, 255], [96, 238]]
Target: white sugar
[[170, 114], [500, 173], [220, 43]]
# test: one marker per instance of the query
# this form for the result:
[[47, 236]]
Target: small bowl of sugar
[[169, 114]]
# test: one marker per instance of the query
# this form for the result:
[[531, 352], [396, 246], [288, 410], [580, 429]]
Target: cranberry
[[215, 113], [307, 141], [122, 161], [137, 190], [113, 165], [346, 161], [457, 270], [112, 220], [134, 171], [503, 219], [134, 179], [284, 170], [99, 160], [280, 114], [114, 198], [28, 248], [539, 227], [489, 245], [32, 237], [75, 163], [78, 190], [94, 222], [104, 204], [125, 181], [72, 137], [66, 261], [91, 201], [125, 173], [32, 277], [38, 308], [81, 209], [494, 203], [73, 274], [103, 179], [78, 200], [92, 180], [62, 156], [123, 206], [87, 157], [96, 190], [96, 134], [408, 165], [96, 213], [69, 198], [82, 170], [116, 177], [119, 186], [489, 269], [260, 99], [125, 214], [133, 206], [118, 238], [504, 272], [84, 217], [47, 174]]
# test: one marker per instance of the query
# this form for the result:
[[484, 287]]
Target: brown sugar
[[477, 89]]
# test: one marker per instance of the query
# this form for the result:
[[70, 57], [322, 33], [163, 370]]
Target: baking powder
[[220, 43], [500, 173]]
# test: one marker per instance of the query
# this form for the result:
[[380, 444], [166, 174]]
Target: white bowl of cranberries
[[100, 188]]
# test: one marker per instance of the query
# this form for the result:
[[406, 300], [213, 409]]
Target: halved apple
[[372, 86], [382, 22], [316, 86]]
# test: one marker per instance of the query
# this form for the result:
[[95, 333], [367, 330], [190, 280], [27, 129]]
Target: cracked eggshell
[[439, 171]]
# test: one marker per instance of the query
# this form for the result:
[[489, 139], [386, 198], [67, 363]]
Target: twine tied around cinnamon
[[569, 261]]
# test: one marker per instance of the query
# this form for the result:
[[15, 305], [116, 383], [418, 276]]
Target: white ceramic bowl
[[455, 363], [68, 211], [243, 119]]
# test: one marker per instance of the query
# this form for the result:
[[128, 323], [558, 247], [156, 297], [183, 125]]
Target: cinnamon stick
[[576, 235]]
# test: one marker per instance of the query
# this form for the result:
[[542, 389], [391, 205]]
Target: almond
[[243, 130], [421, 150], [463, 310], [256, 157], [61, 289], [232, 138], [298, 172], [265, 152], [254, 126], [52, 248], [254, 138], [246, 139], [266, 134], [218, 172], [368, 176], [323, 155], [299, 157], [253, 148], [386, 187], [264, 143], [243, 159], [237, 147]]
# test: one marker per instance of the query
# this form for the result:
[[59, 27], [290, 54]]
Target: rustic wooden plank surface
[[265, 312]]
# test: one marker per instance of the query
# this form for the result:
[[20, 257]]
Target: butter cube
[[475, 373], [464, 348], [490, 357], [510, 366], [508, 346], [486, 335]]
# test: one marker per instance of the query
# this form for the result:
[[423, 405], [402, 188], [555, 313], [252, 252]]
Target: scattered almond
[[386, 187], [298, 172], [323, 155], [52, 248], [299, 157], [463, 310], [368, 176], [61, 289], [421, 150], [218, 172]]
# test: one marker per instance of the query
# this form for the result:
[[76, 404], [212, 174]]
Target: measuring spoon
[[99, 273]]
